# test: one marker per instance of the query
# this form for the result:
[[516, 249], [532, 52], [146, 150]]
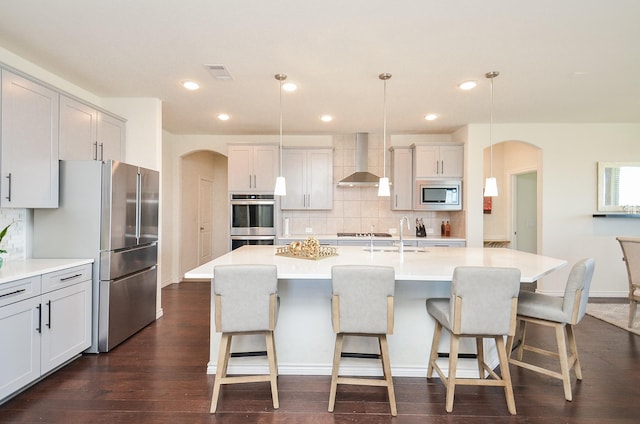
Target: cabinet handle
[[101, 152], [39, 329], [49, 306], [13, 292], [95, 151], [396, 200], [70, 277], [9, 191], [442, 166]]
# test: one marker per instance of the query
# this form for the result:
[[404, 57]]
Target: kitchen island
[[304, 335]]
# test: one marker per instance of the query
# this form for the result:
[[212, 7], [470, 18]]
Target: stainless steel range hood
[[362, 177]]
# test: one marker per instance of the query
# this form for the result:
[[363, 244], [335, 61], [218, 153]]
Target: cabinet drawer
[[66, 277], [19, 290]]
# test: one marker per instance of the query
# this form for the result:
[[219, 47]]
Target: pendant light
[[490, 184], [383, 185], [281, 186]]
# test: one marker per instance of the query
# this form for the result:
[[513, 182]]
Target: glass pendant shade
[[490, 187], [383, 184], [383, 187], [281, 187], [490, 184]]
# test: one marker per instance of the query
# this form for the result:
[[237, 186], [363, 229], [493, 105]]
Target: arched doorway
[[204, 215], [514, 215]]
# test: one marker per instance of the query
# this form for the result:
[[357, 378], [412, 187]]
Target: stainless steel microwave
[[438, 195]]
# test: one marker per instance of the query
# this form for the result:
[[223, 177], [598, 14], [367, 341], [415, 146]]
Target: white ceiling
[[568, 61]]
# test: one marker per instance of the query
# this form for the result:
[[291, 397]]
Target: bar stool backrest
[[482, 300], [576, 292], [365, 296], [631, 251], [245, 297]]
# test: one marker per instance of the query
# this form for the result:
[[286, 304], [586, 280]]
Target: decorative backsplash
[[357, 209], [15, 241]]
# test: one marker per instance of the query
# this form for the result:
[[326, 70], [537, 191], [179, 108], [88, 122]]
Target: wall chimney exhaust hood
[[362, 177]]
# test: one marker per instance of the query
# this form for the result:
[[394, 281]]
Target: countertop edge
[[18, 269], [365, 239]]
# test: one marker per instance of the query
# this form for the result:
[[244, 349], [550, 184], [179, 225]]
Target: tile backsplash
[[15, 241], [358, 209]]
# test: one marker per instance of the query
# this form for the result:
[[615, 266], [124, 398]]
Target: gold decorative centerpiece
[[308, 249]]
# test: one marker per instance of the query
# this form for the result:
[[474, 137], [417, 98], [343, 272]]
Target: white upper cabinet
[[309, 178], [111, 137], [401, 178], [89, 134], [252, 168], [29, 144], [438, 161]]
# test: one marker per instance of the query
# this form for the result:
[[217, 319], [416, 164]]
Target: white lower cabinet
[[44, 322], [441, 243], [20, 349]]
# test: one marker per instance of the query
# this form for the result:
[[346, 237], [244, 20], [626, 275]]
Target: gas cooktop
[[364, 235]]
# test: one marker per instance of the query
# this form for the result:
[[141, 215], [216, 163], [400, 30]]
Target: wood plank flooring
[[159, 376]]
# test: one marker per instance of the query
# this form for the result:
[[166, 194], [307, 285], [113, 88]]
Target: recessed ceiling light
[[190, 85], [431, 117], [224, 116], [326, 118], [467, 85], [289, 86]]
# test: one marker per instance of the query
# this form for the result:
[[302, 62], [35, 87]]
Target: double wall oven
[[253, 218]]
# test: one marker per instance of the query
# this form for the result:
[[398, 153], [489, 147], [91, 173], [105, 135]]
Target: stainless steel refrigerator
[[109, 212]]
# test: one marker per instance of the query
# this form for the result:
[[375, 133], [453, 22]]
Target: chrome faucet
[[404, 218], [371, 236]]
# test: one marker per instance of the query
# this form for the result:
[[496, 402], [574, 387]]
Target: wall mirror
[[618, 188]]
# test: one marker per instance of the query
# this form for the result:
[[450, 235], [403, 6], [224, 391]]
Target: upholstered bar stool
[[362, 305], [561, 314], [483, 304], [631, 253], [246, 303]]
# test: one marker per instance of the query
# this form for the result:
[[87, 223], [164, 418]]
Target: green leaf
[[4, 232]]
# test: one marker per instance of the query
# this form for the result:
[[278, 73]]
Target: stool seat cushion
[[439, 308], [542, 306]]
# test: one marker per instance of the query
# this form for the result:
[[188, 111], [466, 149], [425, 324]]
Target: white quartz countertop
[[428, 264], [17, 269]]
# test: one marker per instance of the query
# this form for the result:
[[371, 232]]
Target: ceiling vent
[[219, 72]]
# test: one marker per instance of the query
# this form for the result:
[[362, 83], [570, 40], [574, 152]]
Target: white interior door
[[525, 212], [205, 221]]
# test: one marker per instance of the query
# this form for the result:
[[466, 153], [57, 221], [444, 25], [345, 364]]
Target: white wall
[[570, 153]]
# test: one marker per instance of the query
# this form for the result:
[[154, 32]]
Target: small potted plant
[[2, 234]]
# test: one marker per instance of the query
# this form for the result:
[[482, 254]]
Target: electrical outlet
[[429, 230], [392, 230], [308, 230]]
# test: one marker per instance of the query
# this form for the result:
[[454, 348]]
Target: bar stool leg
[[337, 353]]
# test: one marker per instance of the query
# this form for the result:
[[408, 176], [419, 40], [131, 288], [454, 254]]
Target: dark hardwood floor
[[158, 376]]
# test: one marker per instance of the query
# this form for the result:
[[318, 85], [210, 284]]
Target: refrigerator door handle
[[138, 206]]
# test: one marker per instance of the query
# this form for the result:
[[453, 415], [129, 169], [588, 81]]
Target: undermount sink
[[394, 249]]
